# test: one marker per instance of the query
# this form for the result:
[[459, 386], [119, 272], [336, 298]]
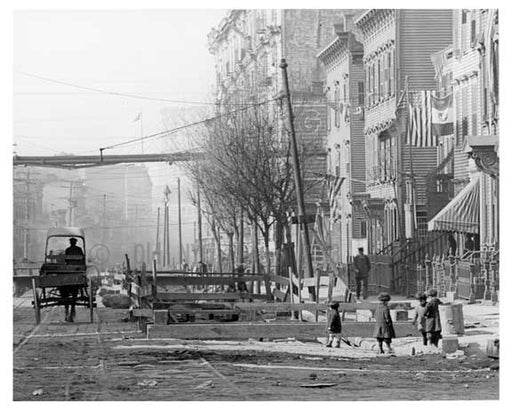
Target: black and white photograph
[[283, 203]]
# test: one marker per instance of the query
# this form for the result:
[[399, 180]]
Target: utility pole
[[157, 241], [199, 225], [103, 236], [167, 254], [241, 238], [298, 179], [27, 215], [179, 224], [70, 204]]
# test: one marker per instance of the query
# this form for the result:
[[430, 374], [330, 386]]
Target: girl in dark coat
[[384, 330], [433, 319]]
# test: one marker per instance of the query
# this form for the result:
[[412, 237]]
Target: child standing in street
[[384, 330], [433, 319], [419, 315], [333, 325]]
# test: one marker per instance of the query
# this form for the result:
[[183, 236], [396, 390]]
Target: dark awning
[[462, 213]]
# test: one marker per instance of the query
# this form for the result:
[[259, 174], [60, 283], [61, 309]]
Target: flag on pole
[[442, 115], [138, 117]]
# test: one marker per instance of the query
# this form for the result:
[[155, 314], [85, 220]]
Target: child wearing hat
[[333, 325], [384, 330], [419, 315], [433, 319]]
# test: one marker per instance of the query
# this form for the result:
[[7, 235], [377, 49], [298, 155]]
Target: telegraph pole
[[27, 215], [104, 217], [157, 241], [167, 253], [71, 205], [298, 179], [199, 225], [179, 224]]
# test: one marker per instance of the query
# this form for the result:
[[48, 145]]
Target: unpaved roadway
[[111, 360]]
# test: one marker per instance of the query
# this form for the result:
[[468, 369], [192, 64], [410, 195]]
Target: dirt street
[[111, 360]]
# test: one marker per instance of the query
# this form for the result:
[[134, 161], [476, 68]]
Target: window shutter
[[386, 75], [360, 93], [372, 87], [392, 71], [473, 33], [367, 86]]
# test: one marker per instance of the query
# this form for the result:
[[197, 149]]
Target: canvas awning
[[462, 213]]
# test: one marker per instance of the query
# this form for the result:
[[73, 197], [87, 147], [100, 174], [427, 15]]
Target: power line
[[118, 94], [162, 134]]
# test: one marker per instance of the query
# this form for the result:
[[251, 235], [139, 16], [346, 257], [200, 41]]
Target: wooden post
[[128, 269], [297, 173], [199, 226], [157, 241], [317, 291], [331, 286], [143, 274], [153, 271], [290, 291], [180, 245]]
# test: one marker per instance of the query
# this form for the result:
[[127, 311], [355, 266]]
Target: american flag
[[419, 131], [334, 184]]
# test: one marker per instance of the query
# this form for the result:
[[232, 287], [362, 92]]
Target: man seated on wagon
[[74, 250]]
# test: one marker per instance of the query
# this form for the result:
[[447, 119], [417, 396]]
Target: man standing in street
[[362, 269]]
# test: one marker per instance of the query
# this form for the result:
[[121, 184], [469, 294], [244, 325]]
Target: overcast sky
[[154, 53]]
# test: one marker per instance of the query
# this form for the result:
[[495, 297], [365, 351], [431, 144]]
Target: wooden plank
[[134, 289], [145, 291], [200, 296], [142, 312], [279, 279], [287, 307], [294, 279], [331, 285], [278, 294], [204, 280], [267, 330], [308, 282], [193, 311]]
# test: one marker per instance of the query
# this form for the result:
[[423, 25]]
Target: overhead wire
[[119, 94]]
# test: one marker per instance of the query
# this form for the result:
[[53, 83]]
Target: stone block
[[449, 344], [493, 348]]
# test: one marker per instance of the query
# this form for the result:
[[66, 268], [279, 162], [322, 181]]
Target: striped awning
[[462, 213]]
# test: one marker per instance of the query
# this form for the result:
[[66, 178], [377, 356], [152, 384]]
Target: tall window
[[464, 30], [360, 93], [392, 71], [337, 105], [328, 107], [378, 82], [386, 74]]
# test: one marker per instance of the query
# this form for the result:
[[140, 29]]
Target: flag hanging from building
[[334, 184], [442, 115], [419, 131]]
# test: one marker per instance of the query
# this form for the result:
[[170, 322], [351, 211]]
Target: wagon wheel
[[36, 301], [91, 300]]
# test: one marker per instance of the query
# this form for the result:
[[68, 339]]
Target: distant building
[[248, 46], [346, 164], [119, 210]]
